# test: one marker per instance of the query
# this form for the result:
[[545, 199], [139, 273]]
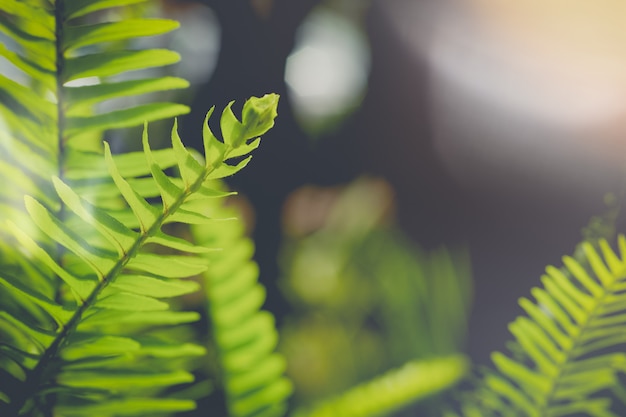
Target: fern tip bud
[[259, 113]]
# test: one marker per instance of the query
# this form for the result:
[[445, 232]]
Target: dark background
[[514, 221]]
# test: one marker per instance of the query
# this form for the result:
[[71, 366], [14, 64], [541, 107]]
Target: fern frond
[[245, 336], [73, 352], [54, 46], [569, 347], [395, 389], [47, 113], [79, 289], [45, 122]]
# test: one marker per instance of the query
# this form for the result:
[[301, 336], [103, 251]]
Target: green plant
[[89, 262], [243, 336], [96, 247], [567, 357]]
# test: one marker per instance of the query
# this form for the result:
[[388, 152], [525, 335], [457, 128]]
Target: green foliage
[[568, 351], [394, 390], [244, 336], [89, 269], [367, 301], [112, 278], [95, 254]]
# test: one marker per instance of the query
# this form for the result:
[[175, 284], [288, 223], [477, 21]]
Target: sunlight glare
[[328, 69]]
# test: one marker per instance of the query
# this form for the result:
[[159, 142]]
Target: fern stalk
[[59, 11], [33, 379]]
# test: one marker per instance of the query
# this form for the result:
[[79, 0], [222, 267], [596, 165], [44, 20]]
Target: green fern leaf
[[129, 407], [82, 294], [43, 121], [89, 95], [109, 63], [570, 342], [87, 35], [245, 336], [393, 390], [109, 271], [80, 8]]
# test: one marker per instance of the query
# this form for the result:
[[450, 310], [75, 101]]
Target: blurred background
[[492, 128]]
